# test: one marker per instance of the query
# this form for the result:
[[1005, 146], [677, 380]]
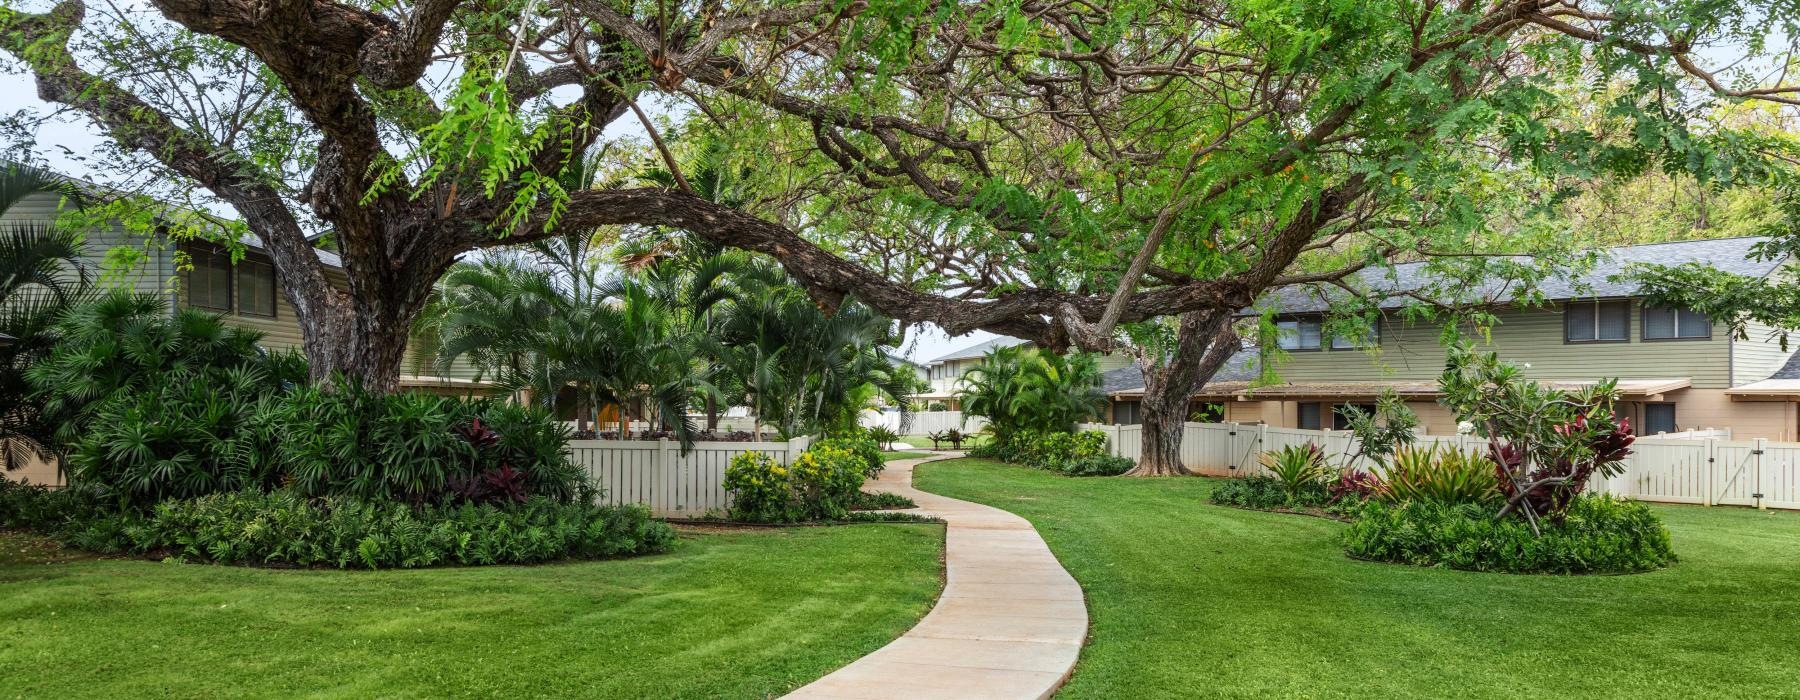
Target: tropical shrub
[[1096, 465], [823, 483], [1046, 450], [1445, 476], [1599, 535], [151, 406], [41, 277], [1296, 467], [1545, 443], [417, 448], [44, 509], [861, 445], [284, 527], [1269, 493], [181, 437], [1025, 389], [1354, 484], [884, 436]]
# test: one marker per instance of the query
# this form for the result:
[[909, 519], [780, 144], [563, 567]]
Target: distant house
[[1676, 369], [246, 293], [945, 371]]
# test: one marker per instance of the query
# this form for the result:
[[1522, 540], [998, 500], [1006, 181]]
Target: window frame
[[1674, 418], [1318, 415], [195, 257], [1644, 331], [1597, 303], [238, 286], [1298, 321]]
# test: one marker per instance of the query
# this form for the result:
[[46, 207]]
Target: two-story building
[[1676, 369], [946, 371]]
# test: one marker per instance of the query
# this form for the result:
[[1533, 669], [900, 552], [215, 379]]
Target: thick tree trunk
[[1204, 340]]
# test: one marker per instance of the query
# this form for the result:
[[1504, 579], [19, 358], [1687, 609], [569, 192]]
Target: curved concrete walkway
[[1009, 624]]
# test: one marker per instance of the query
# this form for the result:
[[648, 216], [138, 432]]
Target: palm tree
[[802, 370], [41, 277], [1019, 388]]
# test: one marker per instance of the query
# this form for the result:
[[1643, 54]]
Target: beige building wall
[[36, 471]]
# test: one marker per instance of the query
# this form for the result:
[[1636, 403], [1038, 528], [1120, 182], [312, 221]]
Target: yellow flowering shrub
[[820, 485]]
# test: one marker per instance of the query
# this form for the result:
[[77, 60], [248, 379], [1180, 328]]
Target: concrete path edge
[[1009, 624]]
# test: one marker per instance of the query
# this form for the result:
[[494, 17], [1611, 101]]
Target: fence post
[[1712, 466], [1112, 439], [1762, 445], [1231, 450], [668, 465]]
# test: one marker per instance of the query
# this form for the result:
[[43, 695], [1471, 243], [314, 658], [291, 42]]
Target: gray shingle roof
[[1240, 367], [1728, 254], [978, 349], [1791, 370]]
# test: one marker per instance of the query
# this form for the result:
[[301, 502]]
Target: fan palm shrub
[[151, 405], [41, 277]]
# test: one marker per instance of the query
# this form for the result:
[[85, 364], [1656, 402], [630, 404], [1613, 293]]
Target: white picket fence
[[924, 422], [1703, 469], [657, 474]]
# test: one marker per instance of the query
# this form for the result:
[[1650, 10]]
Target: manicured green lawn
[[1189, 599], [737, 613], [891, 456]]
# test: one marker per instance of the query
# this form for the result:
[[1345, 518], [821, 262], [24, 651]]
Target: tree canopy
[[1048, 171]]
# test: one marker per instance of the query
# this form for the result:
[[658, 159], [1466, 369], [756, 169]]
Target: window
[[1675, 324], [1298, 334], [256, 289], [1127, 413], [209, 283], [1370, 337], [1309, 416], [1659, 418], [1597, 321]]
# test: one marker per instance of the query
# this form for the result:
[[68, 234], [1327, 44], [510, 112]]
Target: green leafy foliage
[[1025, 389], [1443, 476], [1094, 465], [884, 436], [1600, 535], [861, 445], [822, 483], [1297, 467], [1263, 492], [151, 406], [1548, 443], [286, 528], [416, 447], [41, 276]]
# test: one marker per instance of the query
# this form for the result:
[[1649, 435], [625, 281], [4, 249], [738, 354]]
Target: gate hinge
[[1757, 496], [1710, 460], [1756, 452]]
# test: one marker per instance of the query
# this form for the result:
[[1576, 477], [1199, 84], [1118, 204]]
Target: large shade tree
[[1049, 171]]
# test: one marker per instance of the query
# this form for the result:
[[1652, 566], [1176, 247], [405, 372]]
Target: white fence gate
[[1698, 467], [656, 474]]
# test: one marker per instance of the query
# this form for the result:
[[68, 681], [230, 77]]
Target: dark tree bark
[[1204, 341]]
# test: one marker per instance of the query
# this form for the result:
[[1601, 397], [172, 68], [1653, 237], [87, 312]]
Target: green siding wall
[[1534, 336], [148, 278], [1757, 356]]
